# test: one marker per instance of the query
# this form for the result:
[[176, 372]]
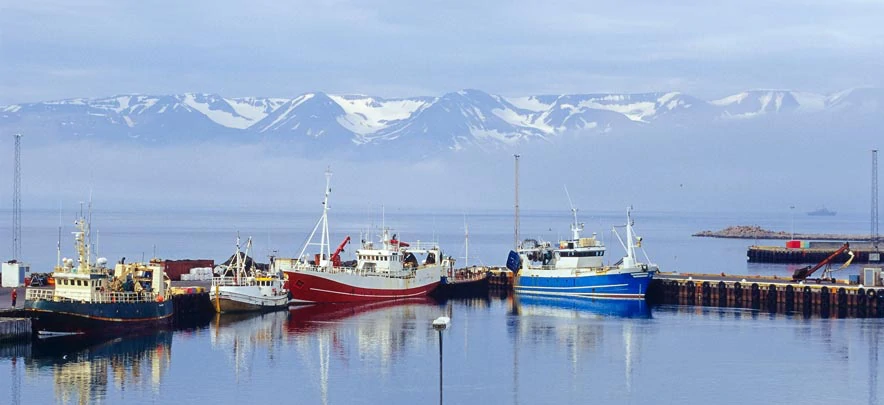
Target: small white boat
[[242, 288]]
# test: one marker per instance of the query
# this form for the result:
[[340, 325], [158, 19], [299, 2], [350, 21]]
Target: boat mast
[[82, 237], [466, 243], [58, 244], [576, 227], [245, 258], [323, 222], [630, 243], [516, 205], [325, 247]]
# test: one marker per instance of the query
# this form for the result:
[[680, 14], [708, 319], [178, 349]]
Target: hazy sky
[[88, 48]]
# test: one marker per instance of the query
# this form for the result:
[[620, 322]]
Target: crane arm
[[336, 256], [805, 272]]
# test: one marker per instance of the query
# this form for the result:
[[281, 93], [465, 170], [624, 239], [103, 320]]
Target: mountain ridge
[[455, 120]]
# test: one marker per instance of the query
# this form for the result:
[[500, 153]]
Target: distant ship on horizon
[[822, 212]]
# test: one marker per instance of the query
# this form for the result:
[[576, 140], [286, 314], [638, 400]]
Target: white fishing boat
[[241, 287]]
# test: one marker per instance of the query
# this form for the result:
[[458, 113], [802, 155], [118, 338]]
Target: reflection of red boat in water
[[306, 318]]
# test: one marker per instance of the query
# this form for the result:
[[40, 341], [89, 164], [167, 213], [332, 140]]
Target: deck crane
[[336, 256], [805, 272]]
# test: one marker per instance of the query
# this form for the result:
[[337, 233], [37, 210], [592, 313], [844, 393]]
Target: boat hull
[[319, 287], [231, 301], [97, 318], [616, 285]]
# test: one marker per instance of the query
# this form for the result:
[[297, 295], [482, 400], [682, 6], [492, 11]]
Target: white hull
[[246, 298]]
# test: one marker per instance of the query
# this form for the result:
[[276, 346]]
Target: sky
[[59, 49]]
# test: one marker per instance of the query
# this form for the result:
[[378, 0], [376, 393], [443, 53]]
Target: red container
[[793, 244], [175, 268]]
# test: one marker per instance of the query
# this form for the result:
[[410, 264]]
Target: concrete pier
[[15, 329], [776, 254]]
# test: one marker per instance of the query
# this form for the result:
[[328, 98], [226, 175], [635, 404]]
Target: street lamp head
[[441, 323]]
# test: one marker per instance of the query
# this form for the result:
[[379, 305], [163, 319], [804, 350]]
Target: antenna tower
[[516, 229], [16, 201], [874, 232]]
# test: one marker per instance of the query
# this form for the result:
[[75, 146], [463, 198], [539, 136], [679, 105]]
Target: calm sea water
[[499, 349]]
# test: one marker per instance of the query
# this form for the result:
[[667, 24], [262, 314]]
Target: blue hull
[[100, 318], [627, 285], [604, 307]]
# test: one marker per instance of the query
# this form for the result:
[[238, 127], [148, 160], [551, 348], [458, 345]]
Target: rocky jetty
[[757, 232]]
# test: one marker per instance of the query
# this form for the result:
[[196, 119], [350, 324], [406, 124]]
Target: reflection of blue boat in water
[[581, 307]]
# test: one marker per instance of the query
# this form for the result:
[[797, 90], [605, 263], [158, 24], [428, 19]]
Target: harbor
[[386, 300]]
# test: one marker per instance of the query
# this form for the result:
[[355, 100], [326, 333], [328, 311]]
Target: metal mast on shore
[[874, 231], [516, 229], [16, 201]]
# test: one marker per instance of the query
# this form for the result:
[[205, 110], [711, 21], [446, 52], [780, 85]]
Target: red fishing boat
[[387, 269]]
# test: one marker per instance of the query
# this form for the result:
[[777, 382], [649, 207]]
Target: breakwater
[[757, 232]]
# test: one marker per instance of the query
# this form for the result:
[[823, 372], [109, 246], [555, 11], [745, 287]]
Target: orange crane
[[805, 272], [336, 256]]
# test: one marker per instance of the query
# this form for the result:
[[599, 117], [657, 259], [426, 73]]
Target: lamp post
[[439, 324], [792, 211]]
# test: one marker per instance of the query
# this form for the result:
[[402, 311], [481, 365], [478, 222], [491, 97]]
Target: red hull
[[306, 289]]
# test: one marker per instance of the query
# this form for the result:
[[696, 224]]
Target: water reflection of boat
[[310, 317], [84, 367], [580, 307], [247, 328], [240, 336]]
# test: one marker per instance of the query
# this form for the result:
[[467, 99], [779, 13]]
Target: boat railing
[[408, 273], [119, 296], [36, 294], [232, 281], [421, 246], [33, 294]]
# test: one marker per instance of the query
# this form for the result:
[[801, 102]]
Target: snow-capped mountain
[[455, 120]]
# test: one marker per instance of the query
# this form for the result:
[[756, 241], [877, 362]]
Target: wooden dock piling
[[15, 329]]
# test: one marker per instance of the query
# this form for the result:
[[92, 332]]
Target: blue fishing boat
[[575, 266], [90, 298]]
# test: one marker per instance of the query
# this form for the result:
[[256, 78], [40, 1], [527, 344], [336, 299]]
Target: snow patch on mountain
[[217, 115], [366, 115], [255, 109], [530, 103]]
